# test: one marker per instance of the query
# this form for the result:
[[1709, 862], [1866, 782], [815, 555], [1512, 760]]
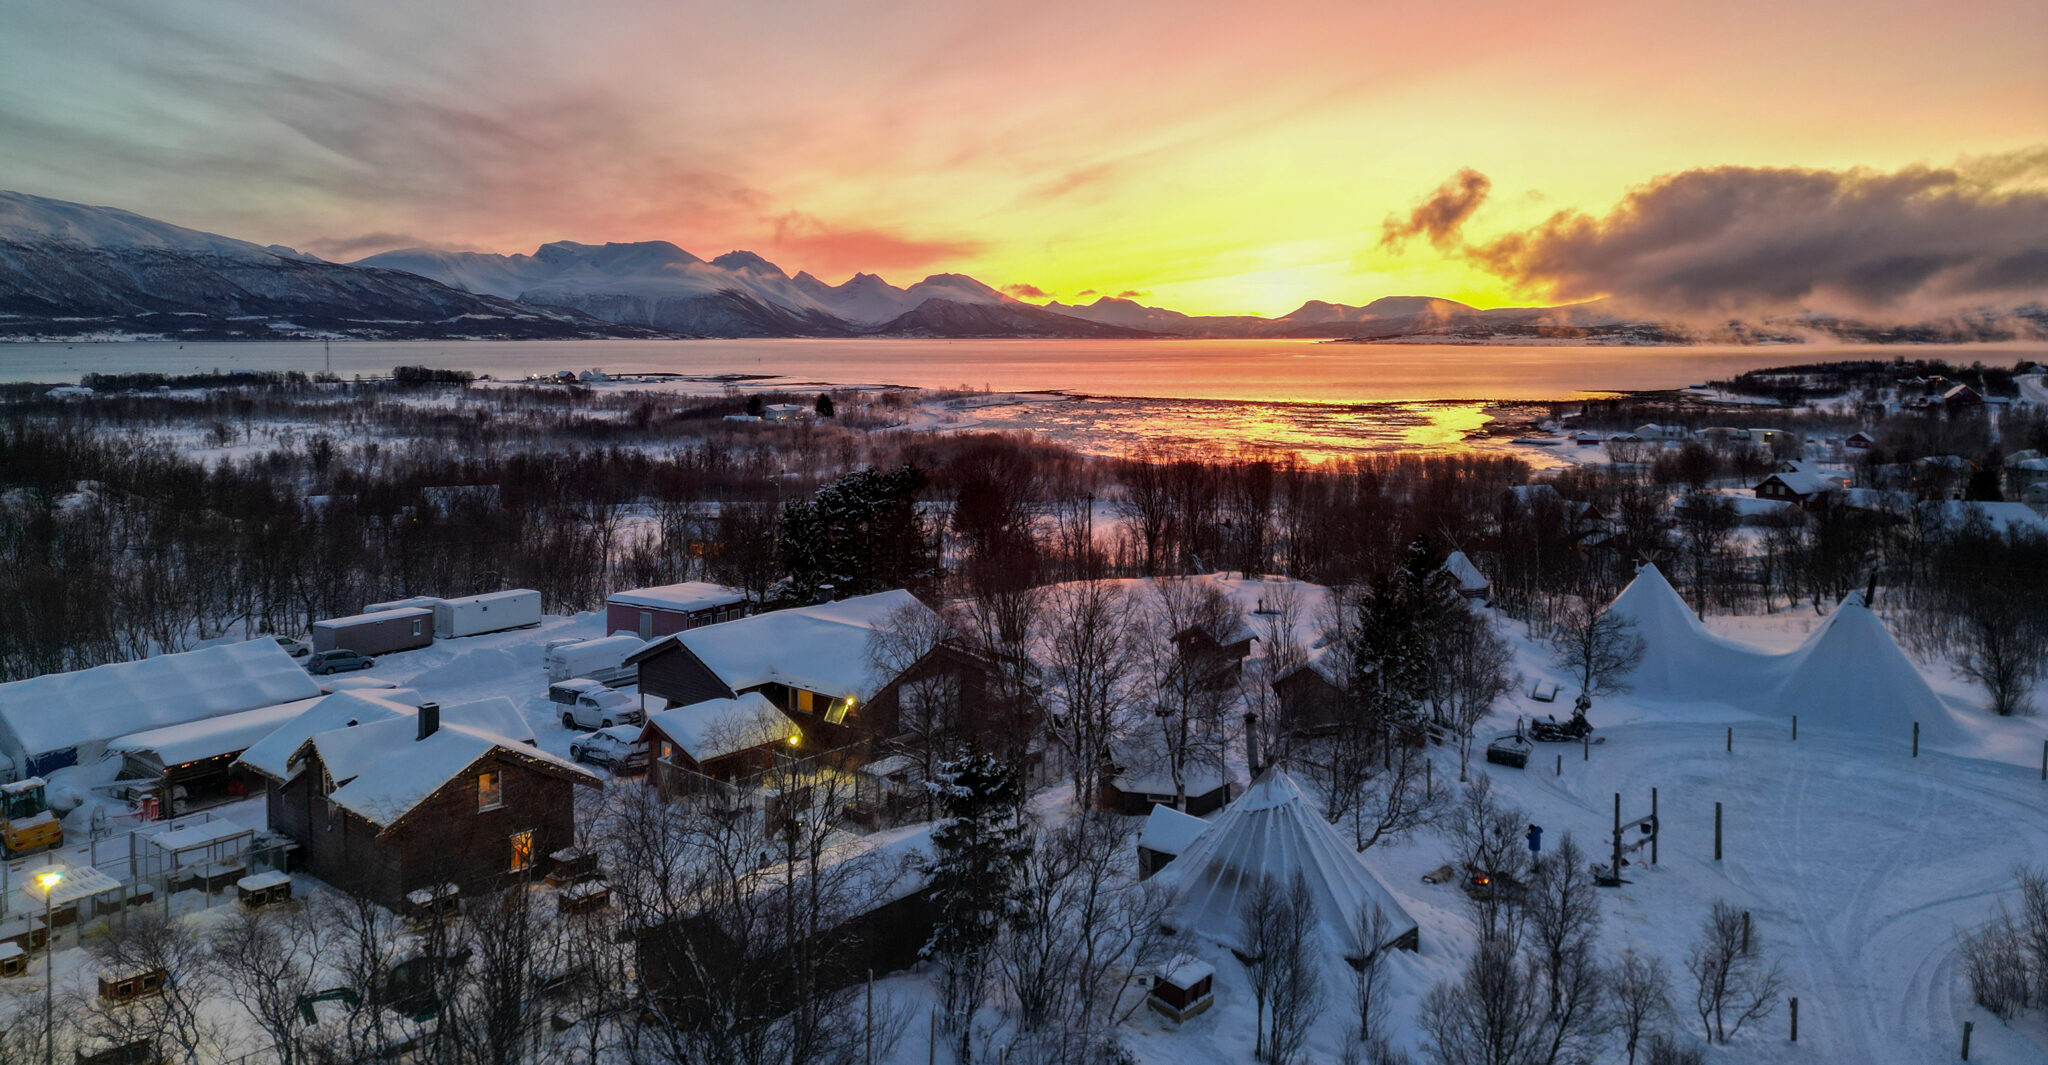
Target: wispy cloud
[[835, 249], [1439, 216], [1026, 292]]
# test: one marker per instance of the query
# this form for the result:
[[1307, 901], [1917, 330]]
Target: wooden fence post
[[1967, 1025], [1916, 739], [1656, 828], [1731, 739], [1795, 1018], [1585, 748], [1795, 728], [1745, 931], [1717, 831]]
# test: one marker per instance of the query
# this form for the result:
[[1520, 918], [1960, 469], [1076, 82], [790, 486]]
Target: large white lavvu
[[1850, 674], [1274, 828]]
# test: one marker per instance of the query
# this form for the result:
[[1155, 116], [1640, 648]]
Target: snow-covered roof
[[210, 737], [1801, 484], [1275, 829], [61, 711], [274, 754], [1170, 831], [1466, 574], [602, 653], [715, 728], [1144, 768], [378, 615], [822, 648], [413, 602], [688, 596], [383, 769], [1184, 971], [189, 835]]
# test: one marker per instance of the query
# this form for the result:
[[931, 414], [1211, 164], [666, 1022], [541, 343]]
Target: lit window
[[522, 851], [836, 714], [490, 791], [803, 701]]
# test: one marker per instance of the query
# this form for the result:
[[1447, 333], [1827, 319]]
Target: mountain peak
[[747, 261]]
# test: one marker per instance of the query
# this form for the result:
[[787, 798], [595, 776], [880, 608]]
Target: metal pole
[[49, 981], [1967, 1025], [1560, 765], [931, 1043], [1717, 831], [1795, 726], [1586, 748], [1916, 739], [1655, 827], [1617, 835], [1795, 1018], [1731, 739], [1745, 931], [2044, 759]]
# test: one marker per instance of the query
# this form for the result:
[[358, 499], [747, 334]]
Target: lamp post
[[48, 881]]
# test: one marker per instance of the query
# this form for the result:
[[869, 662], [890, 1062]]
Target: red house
[[672, 608]]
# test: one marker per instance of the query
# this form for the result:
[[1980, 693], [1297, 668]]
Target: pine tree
[[979, 850], [859, 534], [1398, 620], [824, 407]]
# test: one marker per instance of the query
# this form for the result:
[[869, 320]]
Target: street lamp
[[48, 881]]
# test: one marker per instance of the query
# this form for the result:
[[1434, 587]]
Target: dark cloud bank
[[1732, 239]]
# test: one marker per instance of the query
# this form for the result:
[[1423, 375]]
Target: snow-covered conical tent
[[1851, 675], [1680, 657], [1276, 829]]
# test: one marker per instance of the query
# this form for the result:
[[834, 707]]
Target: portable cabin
[[602, 660], [672, 608], [1183, 987], [376, 633], [475, 615]]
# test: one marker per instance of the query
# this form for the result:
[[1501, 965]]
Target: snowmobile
[[1548, 729]]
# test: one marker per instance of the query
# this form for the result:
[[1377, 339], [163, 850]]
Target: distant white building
[[785, 412], [1653, 431]]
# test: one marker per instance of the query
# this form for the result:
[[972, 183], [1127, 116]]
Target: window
[[522, 851], [647, 624], [416, 626], [668, 750], [803, 701], [490, 791], [836, 713]]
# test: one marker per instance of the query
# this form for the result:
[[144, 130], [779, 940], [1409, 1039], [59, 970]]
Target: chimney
[[430, 719], [1251, 743]]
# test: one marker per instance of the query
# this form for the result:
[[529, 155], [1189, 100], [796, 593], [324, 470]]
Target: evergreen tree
[[1399, 617], [824, 407], [979, 849], [859, 534], [755, 404]]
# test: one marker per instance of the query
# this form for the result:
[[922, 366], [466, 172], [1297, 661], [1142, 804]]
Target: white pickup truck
[[588, 704]]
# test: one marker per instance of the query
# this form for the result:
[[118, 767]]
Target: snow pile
[[1849, 674], [715, 728], [1275, 829], [54, 720]]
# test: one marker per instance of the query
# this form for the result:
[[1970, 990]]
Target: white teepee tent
[[1274, 828], [1680, 657], [1851, 674]]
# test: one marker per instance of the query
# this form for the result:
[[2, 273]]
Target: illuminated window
[[836, 714], [490, 791], [522, 851], [803, 700]]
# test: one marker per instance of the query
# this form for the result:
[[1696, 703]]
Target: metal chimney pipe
[[430, 719]]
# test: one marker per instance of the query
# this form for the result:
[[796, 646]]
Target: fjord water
[[1285, 371]]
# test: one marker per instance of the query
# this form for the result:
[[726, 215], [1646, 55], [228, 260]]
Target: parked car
[[618, 747], [337, 662], [588, 704], [294, 648]]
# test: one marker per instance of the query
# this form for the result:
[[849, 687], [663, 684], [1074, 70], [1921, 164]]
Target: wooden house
[[1215, 650], [817, 664], [1312, 695], [411, 801], [717, 738]]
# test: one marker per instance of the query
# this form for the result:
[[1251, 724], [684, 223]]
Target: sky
[[1206, 156]]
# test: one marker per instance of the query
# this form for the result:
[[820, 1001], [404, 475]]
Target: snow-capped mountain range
[[67, 269]]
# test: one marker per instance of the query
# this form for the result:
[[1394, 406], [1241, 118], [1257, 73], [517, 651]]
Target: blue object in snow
[[1535, 838]]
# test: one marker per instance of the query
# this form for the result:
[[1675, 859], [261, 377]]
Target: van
[[587, 704]]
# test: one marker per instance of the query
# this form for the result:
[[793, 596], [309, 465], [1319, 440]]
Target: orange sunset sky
[[1210, 157]]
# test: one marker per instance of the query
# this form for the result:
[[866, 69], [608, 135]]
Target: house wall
[[678, 676], [1309, 703], [445, 839], [625, 617]]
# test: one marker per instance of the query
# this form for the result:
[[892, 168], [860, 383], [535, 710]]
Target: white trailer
[[416, 602], [600, 660], [475, 615]]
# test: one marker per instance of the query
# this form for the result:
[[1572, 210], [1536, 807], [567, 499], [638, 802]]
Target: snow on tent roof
[[822, 648], [1275, 829], [1852, 674], [690, 595], [273, 754], [715, 728], [1467, 575], [59, 712]]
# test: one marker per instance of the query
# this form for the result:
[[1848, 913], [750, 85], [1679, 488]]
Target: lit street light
[[48, 881]]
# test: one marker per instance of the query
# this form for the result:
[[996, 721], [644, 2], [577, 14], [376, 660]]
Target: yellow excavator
[[26, 822]]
